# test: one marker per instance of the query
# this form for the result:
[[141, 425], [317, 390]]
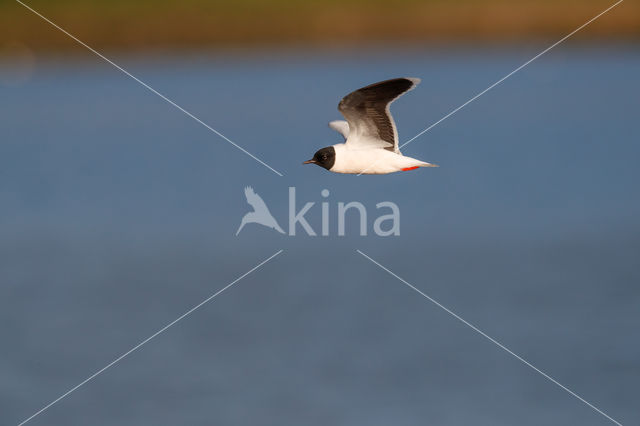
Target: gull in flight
[[370, 135]]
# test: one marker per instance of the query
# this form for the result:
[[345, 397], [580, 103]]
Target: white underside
[[371, 161]]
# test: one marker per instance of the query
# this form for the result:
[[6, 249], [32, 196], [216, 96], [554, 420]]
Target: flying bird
[[370, 135], [260, 213]]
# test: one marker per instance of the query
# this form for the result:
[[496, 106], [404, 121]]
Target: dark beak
[[312, 161]]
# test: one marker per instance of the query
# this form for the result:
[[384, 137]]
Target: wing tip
[[414, 80]]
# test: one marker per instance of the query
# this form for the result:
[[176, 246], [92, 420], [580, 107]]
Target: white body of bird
[[372, 161]]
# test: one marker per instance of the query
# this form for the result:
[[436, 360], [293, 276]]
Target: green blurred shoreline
[[145, 24]]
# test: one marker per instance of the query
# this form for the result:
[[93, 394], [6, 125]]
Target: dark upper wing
[[367, 112]]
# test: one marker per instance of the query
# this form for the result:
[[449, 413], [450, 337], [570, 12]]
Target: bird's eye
[[324, 156]]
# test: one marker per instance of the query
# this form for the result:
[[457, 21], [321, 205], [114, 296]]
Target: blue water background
[[118, 214]]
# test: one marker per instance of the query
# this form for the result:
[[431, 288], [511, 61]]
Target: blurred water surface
[[118, 213]]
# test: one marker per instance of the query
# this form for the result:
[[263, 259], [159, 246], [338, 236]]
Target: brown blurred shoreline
[[196, 23]]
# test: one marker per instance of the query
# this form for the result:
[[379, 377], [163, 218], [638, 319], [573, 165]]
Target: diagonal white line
[[152, 89], [136, 347], [503, 78], [512, 72], [491, 339]]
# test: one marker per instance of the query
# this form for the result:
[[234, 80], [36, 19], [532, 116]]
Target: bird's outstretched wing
[[368, 115], [254, 200], [341, 127]]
